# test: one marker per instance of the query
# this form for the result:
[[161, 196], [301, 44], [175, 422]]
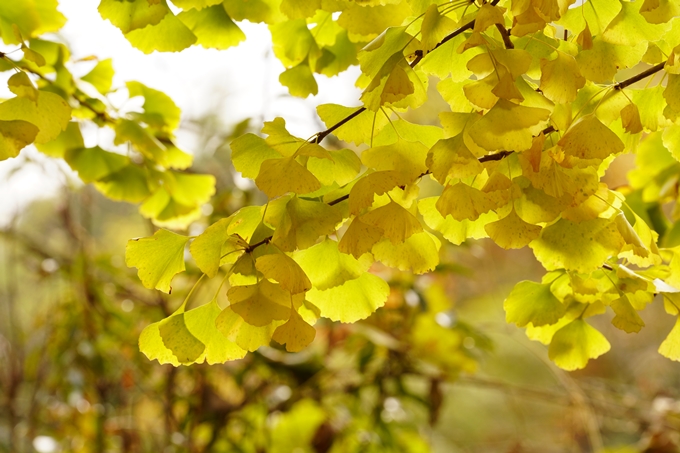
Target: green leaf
[[157, 258], [299, 80], [14, 136], [169, 35], [582, 246], [576, 343], [326, 267], [93, 164], [534, 303], [215, 246], [133, 14], [670, 347], [159, 110], [248, 152], [50, 114], [201, 323], [353, 300], [213, 27], [419, 253], [359, 130], [129, 184], [101, 76]]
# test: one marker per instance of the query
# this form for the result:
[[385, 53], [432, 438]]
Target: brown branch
[[636, 78], [506, 36], [323, 134]]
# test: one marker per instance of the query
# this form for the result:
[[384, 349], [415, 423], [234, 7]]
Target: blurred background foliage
[[438, 369]]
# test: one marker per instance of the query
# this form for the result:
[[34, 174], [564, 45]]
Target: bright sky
[[238, 83]]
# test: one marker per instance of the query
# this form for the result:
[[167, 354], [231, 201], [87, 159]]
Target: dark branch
[[636, 78], [321, 135], [506, 37]]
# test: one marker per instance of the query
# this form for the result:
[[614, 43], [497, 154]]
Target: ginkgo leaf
[[248, 152], [51, 114], [626, 319], [130, 184], [280, 176], [246, 336], [463, 202], [434, 28], [659, 11], [508, 126], [531, 302], [640, 241], [131, 15], [353, 300], [630, 119], [177, 338], [303, 223], [419, 253], [326, 267], [296, 334], [101, 76], [359, 238], [511, 232], [168, 35], [93, 164], [214, 246], [260, 304], [396, 222], [390, 85], [299, 80], [453, 230], [590, 139], [601, 63], [377, 183], [22, 86], [158, 258], [629, 27], [200, 322], [450, 158], [151, 345], [582, 246], [14, 136], [405, 157], [360, 130], [576, 343], [487, 16], [286, 271], [342, 167], [670, 347], [213, 27], [160, 110], [561, 78]]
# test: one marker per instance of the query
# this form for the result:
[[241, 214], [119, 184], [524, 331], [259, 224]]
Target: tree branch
[[323, 134], [636, 78], [506, 36]]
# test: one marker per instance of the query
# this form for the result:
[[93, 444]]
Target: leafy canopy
[[543, 95]]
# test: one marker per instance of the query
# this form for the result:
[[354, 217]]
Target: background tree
[[542, 97]]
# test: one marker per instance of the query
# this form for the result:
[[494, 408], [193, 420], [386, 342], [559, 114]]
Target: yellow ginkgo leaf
[[14, 136], [157, 258], [576, 343], [280, 176], [434, 28], [511, 232], [451, 158], [419, 253], [487, 16], [590, 139], [359, 238], [327, 267], [670, 347], [303, 222], [283, 269], [296, 334], [362, 193], [402, 156], [22, 86], [561, 78], [246, 336], [630, 119], [260, 304], [353, 300], [509, 126], [506, 87], [463, 202], [396, 222]]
